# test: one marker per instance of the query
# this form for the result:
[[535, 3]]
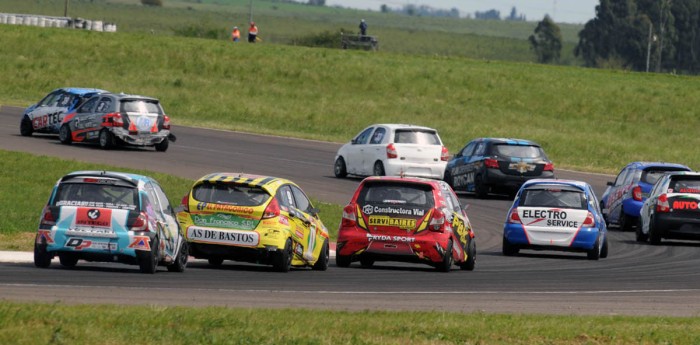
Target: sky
[[562, 11]]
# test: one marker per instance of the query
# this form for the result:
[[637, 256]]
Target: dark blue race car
[[46, 115]]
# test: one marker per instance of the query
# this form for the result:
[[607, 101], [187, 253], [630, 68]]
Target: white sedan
[[393, 150]]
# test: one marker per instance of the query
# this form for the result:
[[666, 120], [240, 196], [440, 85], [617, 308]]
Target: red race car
[[406, 219]]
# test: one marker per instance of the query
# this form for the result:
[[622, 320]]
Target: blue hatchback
[[46, 115], [558, 215], [625, 196]]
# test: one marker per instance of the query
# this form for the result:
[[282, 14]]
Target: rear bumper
[[496, 178], [632, 207], [426, 247], [582, 240], [397, 167], [148, 139], [677, 227], [122, 246]]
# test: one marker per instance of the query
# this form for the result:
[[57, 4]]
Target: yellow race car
[[250, 218]]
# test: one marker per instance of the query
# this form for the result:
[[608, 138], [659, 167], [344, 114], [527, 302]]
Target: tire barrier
[[56, 22]]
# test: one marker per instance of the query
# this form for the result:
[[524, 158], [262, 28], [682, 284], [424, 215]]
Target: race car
[[672, 210], [110, 216], [493, 165], [406, 219], [558, 215], [251, 218], [46, 115], [624, 197], [112, 119]]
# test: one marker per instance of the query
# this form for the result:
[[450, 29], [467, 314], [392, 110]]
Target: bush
[[158, 3], [325, 39], [200, 31]]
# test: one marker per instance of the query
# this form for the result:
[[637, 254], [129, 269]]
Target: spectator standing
[[363, 27], [252, 32], [235, 34]]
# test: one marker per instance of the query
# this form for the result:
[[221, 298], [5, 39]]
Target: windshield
[[140, 106], [521, 151], [230, 194], [553, 197], [415, 136], [96, 195]]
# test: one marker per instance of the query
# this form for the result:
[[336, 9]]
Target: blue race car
[[110, 216], [556, 215], [625, 196], [46, 115]]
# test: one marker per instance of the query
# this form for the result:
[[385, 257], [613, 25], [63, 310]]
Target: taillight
[[549, 167], [637, 193], [589, 222], [662, 204], [185, 203], [166, 122], [445, 155], [141, 223], [513, 217], [491, 163], [349, 216], [391, 151], [47, 217], [272, 210], [113, 120], [437, 222]]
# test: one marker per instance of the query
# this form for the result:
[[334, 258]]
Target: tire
[[180, 263], [283, 259], [65, 135], [594, 253], [654, 233], [41, 257], [626, 222], [446, 264], [639, 235], [215, 261], [378, 169], [68, 260], [342, 260], [106, 139], [148, 260], [366, 262], [604, 250], [509, 249], [163, 145], [480, 189], [448, 179], [471, 256], [25, 127], [323, 258], [339, 168]]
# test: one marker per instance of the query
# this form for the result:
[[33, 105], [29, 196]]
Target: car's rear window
[[685, 184], [553, 196], [652, 175], [416, 136], [521, 151], [140, 106], [230, 194], [96, 195], [390, 193]]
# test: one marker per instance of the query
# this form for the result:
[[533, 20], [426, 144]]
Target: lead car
[[406, 219], [110, 216]]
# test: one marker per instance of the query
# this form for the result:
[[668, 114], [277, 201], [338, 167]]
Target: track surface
[[635, 279]]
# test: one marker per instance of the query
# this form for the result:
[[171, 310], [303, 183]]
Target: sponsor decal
[[299, 233], [388, 238], [552, 218], [46, 120], [46, 235], [243, 238], [140, 243], [224, 221], [80, 244], [204, 206], [689, 190], [369, 210], [685, 205], [402, 223], [94, 217], [284, 220], [78, 203]]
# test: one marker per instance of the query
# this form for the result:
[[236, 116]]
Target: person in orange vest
[[235, 34], [252, 32]]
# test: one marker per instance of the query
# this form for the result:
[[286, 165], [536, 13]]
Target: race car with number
[[406, 219], [118, 119], [672, 210], [46, 115], [110, 216], [251, 218], [560, 215]]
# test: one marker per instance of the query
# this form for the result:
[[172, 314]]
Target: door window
[[300, 199], [621, 177], [50, 100], [378, 136], [285, 198], [363, 137], [480, 148], [105, 105], [88, 106], [467, 150]]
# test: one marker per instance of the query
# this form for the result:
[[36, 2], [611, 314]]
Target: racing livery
[[555, 215], [405, 219], [251, 218], [46, 115], [624, 197], [488, 165], [672, 209], [110, 216], [112, 119]]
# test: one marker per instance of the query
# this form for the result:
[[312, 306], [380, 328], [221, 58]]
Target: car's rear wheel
[[594, 253], [106, 139], [481, 190], [654, 233], [509, 249], [342, 260], [68, 260], [323, 258], [163, 145], [65, 135], [378, 169], [448, 179], [639, 235], [215, 261], [471, 256], [283, 258], [604, 250], [339, 168], [41, 257], [446, 264], [626, 222], [366, 262], [25, 127], [148, 260], [181, 260]]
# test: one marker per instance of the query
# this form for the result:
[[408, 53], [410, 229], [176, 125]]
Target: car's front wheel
[[283, 258], [471, 256], [65, 135], [163, 145], [180, 262], [106, 139], [654, 233], [480, 189], [339, 168], [25, 127], [323, 258]]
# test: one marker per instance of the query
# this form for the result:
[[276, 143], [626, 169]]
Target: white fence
[[56, 22]]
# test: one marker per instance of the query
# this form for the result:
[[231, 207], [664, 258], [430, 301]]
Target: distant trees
[[514, 16], [547, 41], [317, 2], [489, 15], [152, 2], [422, 10]]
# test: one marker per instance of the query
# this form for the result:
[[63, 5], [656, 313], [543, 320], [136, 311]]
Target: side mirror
[[353, 141], [465, 207], [314, 211], [610, 183]]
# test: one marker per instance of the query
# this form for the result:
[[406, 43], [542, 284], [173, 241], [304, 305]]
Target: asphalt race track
[[636, 279]]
